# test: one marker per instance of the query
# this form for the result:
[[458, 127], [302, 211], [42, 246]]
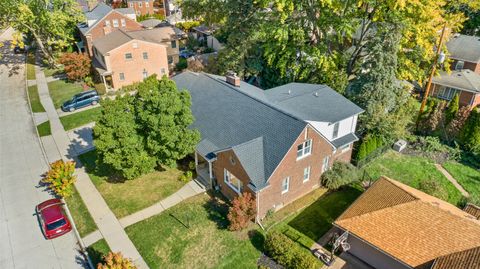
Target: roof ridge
[[294, 96], [272, 106]]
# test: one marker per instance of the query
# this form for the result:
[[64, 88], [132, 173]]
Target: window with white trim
[[304, 149], [139, 4], [306, 174], [285, 185], [123, 22], [145, 74], [447, 93], [459, 65], [115, 23], [145, 55], [122, 76], [232, 181], [326, 160], [128, 56], [131, 5], [335, 130], [107, 23], [146, 4]]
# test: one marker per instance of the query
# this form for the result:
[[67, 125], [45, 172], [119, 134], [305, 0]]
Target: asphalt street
[[22, 163]]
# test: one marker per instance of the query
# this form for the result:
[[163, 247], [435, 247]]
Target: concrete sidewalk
[[190, 189], [107, 223]]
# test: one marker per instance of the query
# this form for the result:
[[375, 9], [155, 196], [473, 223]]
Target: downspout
[[257, 218]]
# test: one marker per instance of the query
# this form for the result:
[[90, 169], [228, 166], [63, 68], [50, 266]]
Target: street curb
[[45, 158]]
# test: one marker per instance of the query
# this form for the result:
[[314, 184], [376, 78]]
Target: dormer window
[[335, 130], [459, 65]]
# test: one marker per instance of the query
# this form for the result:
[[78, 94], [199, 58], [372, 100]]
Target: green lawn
[[308, 225], [35, 99], [80, 214], [44, 129], [194, 234], [81, 118], [127, 197], [412, 171], [97, 250], [31, 66], [52, 71], [61, 91], [466, 176]]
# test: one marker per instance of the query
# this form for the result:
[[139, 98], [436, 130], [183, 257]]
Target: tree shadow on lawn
[[315, 220], [95, 167], [217, 209], [257, 239]]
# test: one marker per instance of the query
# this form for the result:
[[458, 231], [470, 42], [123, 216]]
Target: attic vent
[[289, 91], [316, 94], [135, 45]]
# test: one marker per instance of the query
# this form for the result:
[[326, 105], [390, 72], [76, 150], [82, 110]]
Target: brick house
[[274, 144], [394, 226], [141, 7], [102, 20], [464, 79], [122, 59]]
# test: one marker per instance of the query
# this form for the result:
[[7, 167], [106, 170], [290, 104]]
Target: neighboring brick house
[[274, 144], [464, 79], [394, 226], [103, 20], [141, 7], [166, 36], [122, 59]]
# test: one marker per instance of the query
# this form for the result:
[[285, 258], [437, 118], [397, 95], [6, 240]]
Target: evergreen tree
[[386, 103], [470, 136], [362, 151], [452, 109]]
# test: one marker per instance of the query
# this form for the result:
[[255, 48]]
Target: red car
[[53, 220]]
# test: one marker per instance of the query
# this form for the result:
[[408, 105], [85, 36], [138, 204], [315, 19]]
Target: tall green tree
[[387, 105], [51, 22], [470, 135], [164, 114], [117, 140]]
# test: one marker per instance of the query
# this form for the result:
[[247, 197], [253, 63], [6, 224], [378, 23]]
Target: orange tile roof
[[408, 224], [467, 259]]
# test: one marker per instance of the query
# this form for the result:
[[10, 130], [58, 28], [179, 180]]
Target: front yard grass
[[308, 225], [44, 129], [412, 170], [194, 234], [61, 91], [35, 103], [52, 71], [30, 65], [97, 250], [81, 216], [127, 197], [81, 118], [466, 176]]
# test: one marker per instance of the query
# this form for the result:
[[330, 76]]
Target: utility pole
[[429, 84]]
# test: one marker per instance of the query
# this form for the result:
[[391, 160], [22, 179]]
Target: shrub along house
[[464, 79], [394, 226], [274, 144]]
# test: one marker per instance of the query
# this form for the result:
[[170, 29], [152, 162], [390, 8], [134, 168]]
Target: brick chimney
[[232, 79]]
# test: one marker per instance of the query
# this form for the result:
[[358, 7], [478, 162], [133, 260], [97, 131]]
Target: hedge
[[287, 253]]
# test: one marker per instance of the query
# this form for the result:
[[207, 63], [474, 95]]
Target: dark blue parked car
[[81, 100], [186, 54]]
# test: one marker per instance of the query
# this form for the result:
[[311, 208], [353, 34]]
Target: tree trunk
[[48, 55]]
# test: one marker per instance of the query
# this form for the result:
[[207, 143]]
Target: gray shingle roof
[[156, 35], [464, 48], [151, 23], [126, 10], [344, 140], [229, 118], [465, 79], [312, 102], [98, 12]]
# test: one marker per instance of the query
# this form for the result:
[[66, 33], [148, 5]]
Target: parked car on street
[[186, 53], [81, 100], [52, 218]]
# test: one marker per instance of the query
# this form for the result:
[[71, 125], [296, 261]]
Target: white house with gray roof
[[274, 144]]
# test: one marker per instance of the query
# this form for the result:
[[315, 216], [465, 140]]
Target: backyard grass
[[466, 176], [61, 91], [44, 129], [35, 99], [97, 250], [127, 197], [80, 214], [81, 118], [30, 66], [308, 225], [412, 171], [194, 234]]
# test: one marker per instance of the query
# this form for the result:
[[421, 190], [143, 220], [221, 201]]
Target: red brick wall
[[101, 30], [464, 99], [143, 9]]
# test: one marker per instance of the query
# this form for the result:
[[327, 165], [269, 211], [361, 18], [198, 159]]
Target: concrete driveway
[[22, 244]]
